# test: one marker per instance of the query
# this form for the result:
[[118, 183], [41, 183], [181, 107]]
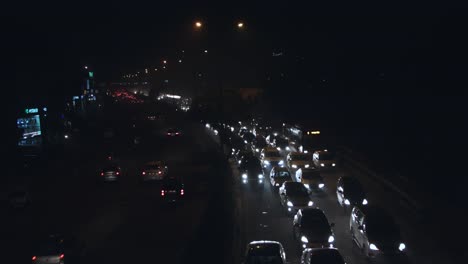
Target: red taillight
[[102, 173], [143, 173], [181, 191], [109, 158], [168, 134], [62, 256], [34, 258], [162, 192], [117, 173], [159, 172], [177, 133]]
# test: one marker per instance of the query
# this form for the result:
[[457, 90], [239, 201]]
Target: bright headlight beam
[[294, 166], [321, 185], [373, 247], [306, 166], [402, 246], [289, 203], [331, 239], [346, 201], [310, 203], [260, 176], [244, 176], [364, 202], [304, 239]]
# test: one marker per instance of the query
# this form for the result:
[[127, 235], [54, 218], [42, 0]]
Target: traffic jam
[[294, 164]]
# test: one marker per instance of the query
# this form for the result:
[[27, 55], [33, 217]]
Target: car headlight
[[346, 201], [257, 150], [276, 184], [244, 176], [294, 166], [321, 185], [304, 239], [331, 239], [402, 246], [240, 161], [373, 247], [288, 148], [260, 176], [307, 186], [278, 148], [333, 164], [289, 203], [281, 163], [321, 164], [310, 203], [364, 202], [266, 162], [207, 125], [306, 166], [245, 141]]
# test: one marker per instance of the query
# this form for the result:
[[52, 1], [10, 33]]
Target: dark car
[[279, 175], [172, 189], [311, 178], [294, 196], [252, 173], [248, 138], [375, 231], [58, 249], [110, 173], [321, 256], [311, 228], [349, 192], [245, 157], [281, 144], [172, 132], [265, 252], [259, 143]]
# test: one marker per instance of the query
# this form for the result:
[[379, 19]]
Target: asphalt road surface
[[127, 221], [261, 217]]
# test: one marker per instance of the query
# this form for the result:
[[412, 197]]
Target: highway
[[261, 217], [127, 221]]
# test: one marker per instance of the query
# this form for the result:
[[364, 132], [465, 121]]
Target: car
[[279, 175], [324, 159], [237, 144], [248, 138], [312, 229], [58, 249], [172, 189], [242, 131], [19, 198], [311, 179], [375, 232], [265, 251], [271, 157], [281, 144], [252, 173], [297, 160], [321, 256], [259, 143], [349, 192], [244, 157], [111, 172], [173, 132], [294, 196], [154, 170]]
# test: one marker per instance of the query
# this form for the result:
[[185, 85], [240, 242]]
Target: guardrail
[[351, 158]]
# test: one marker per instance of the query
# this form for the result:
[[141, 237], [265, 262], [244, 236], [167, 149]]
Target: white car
[[271, 157], [298, 160], [324, 159]]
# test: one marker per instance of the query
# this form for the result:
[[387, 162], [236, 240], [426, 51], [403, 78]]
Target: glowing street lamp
[[240, 25], [198, 24]]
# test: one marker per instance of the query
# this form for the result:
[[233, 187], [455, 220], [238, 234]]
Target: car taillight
[[162, 192], [102, 173], [143, 173], [168, 134], [181, 191], [177, 133], [117, 173], [33, 258], [159, 172], [62, 256]]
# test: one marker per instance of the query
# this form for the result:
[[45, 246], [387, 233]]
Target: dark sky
[[398, 42]]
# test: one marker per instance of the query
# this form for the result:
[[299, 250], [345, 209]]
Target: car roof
[[312, 212], [292, 183], [278, 168]]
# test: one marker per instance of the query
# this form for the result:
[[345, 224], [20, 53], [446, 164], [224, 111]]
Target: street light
[[198, 24], [164, 61], [240, 25]]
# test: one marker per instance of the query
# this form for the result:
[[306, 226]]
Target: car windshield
[[112, 167], [327, 256], [353, 187], [296, 189], [300, 157], [312, 175], [272, 154], [315, 221], [171, 184], [49, 248], [283, 174], [326, 156]]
